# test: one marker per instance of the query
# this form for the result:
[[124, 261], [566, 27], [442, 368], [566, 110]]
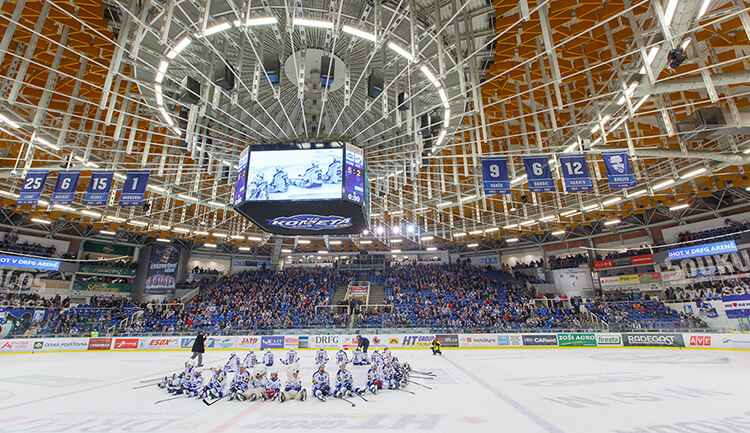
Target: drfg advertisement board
[[334, 341], [653, 340]]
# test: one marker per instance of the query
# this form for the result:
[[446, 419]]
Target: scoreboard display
[[315, 191]]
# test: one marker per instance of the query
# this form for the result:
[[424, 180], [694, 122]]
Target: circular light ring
[[266, 21]]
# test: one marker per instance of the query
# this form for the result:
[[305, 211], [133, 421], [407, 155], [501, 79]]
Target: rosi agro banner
[[576, 340], [653, 340]]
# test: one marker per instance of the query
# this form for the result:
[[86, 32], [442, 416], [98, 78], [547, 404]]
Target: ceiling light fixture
[[184, 42], [679, 207], [402, 52], [41, 221], [304, 22], [558, 233], [693, 173], [612, 222], [662, 185], [510, 240], [359, 33]]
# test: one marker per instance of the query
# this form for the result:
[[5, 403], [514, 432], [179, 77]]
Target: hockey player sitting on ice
[[387, 355], [268, 358], [291, 357], [374, 379], [359, 357], [191, 388], [345, 383], [273, 387], [293, 388], [217, 385], [321, 357], [333, 173], [392, 376], [257, 387], [258, 188], [321, 383], [312, 177], [233, 364], [280, 181], [178, 379], [342, 357], [240, 383], [250, 359], [376, 356]]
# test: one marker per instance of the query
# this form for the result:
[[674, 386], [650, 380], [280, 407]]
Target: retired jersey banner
[[618, 170], [575, 173], [134, 188], [33, 184], [98, 191], [495, 176], [539, 174], [65, 188]]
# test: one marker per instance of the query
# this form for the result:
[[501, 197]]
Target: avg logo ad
[[576, 340]]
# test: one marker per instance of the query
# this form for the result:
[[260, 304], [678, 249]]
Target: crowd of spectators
[[102, 279], [571, 261], [707, 290], [731, 230], [9, 299], [636, 311], [643, 250], [523, 265], [204, 271], [10, 244], [103, 263], [528, 279], [461, 297], [257, 300]]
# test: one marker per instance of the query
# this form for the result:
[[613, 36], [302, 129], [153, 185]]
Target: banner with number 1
[[98, 192], [134, 188]]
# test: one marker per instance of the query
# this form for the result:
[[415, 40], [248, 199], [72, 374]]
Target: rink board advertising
[[410, 341], [305, 191], [162, 269]]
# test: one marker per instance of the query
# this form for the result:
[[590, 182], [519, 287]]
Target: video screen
[[354, 175], [284, 175]]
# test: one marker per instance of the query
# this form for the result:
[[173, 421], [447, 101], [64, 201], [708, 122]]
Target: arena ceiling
[[89, 85]]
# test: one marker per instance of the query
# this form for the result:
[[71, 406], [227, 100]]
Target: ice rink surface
[[476, 390]]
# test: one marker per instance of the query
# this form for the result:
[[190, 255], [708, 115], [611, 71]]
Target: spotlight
[[675, 57]]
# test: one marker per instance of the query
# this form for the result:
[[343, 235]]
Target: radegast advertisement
[[576, 340], [539, 339], [653, 340], [162, 269]]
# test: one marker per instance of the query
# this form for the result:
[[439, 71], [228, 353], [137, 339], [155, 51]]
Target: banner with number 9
[[495, 176]]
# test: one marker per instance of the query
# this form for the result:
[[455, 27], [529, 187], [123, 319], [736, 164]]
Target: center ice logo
[[311, 222]]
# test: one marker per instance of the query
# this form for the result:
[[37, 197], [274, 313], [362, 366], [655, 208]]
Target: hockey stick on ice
[[214, 401], [423, 377], [171, 398], [361, 396], [144, 386], [428, 373], [404, 390], [417, 383], [348, 401], [152, 380]]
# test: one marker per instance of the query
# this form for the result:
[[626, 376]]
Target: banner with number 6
[[33, 184], [539, 174], [134, 188], [495, 176], [575, 173], [65, 188], [98, 191]]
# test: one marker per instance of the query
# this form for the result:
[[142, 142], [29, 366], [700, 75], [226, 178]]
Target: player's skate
[[303, 395]]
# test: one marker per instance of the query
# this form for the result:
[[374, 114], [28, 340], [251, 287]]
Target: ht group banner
[[162, 269], [618, 170], [98, 191], [134, 188], [539, 174], [575, 173], [495, 176], [65, 188], [33, 184]]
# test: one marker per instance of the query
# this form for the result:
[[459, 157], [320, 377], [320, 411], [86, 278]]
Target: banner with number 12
[[134, 188]]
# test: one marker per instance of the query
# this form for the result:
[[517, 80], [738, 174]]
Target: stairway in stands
[[338, 294], [377, 294]]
